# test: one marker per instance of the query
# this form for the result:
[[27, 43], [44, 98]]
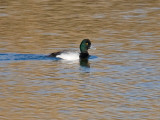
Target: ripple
[[17, 56]]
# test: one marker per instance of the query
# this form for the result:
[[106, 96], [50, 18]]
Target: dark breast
[[83, 55]]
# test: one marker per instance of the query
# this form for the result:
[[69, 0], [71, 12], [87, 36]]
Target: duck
[[69, 55]]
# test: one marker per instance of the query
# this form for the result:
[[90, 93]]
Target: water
[[120, 81]]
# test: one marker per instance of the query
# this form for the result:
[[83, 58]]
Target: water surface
[[120, 81]]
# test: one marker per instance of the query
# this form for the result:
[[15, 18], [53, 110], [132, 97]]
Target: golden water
[[122, 83]]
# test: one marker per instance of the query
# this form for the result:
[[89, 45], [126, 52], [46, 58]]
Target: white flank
[[69, 56]]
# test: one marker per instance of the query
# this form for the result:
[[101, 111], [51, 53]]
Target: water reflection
[[84, 63]]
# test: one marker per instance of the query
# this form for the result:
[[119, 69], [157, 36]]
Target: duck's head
[[85, 45]]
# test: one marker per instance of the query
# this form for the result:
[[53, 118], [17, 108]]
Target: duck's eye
[[87, 44]]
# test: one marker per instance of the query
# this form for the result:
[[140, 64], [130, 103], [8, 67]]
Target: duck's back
[[66, 55], [55, 54]]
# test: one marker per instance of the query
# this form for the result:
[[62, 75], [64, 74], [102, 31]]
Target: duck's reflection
[[84, 63]]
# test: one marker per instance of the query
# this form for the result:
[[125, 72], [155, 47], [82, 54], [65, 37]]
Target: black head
[[85, 45]]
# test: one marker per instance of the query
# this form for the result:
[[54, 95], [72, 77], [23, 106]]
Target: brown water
[[121, 80]]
